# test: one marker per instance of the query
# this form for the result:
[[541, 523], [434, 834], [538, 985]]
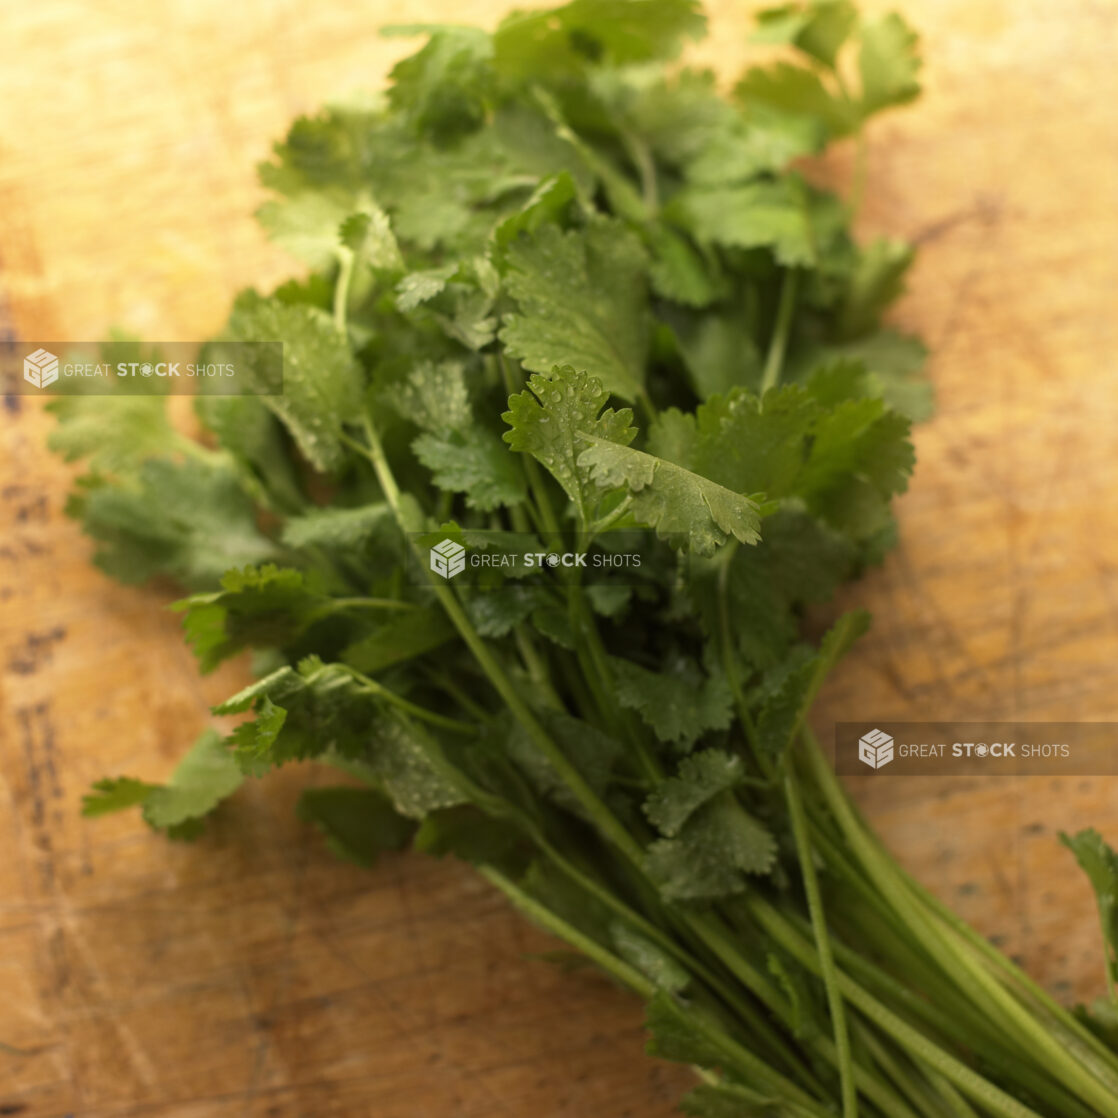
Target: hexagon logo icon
[[875, 749], [40, 368], [448, 558]]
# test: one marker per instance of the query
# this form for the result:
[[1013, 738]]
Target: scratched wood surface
[[251, 974]]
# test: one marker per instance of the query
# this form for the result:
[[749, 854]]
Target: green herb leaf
[[115, 794], [1099, 862], [541, 44], [190, 520], [322, 382], [753, 215], [581, 301], [552, 419], [359, 824], [685, 508], [700, 778], [205, 776], [679, 706], [715, 849], [888, 63]]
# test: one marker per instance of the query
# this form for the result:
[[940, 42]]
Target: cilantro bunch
[[564, 290]]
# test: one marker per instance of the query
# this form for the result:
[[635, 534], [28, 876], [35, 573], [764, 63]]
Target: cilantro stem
[[735, 1054], [806, 855], [336, 605], [537, 672], [779, 341], [1037, 994], [611, 517], [730, 665], [952, 1019], [341, 287], [1093, 1082], [604, 819], [958, 1105], [1074, 1034], [540, 914], [643, 163], [474, 710], [710, 930], [606, 822], [916, 1090], [970, 1082], [416, 711]]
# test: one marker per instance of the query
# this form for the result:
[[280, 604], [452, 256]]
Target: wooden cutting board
[[251, 974]]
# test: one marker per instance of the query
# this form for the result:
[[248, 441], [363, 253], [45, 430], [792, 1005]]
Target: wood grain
[[252, 975]]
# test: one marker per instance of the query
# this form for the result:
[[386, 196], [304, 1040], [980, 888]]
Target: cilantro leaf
[[819, 29], [680, 271], [1099, 862], [462, 455], [893, 362], [718, 350], [115, 794], [685, 508], [399, 762], [301, 713], [552, 419], [495, 612], [257, 607], [798, 95], [549, 202], [472, 462], [581, 301], [306, 224], [448, 85], [322, 382], [358, 824], [321, 709], [679, 706], [205, 776], [190, 520], [759, 592], [368, 235], [591, 751], [769, 215], [888, 63], [476, 838], [788, 698], [844, 454], [419, 287], [112, 433], [714, 851], [877, 280], [700, 778], [244, 426], [336, 527], [559, 41]]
